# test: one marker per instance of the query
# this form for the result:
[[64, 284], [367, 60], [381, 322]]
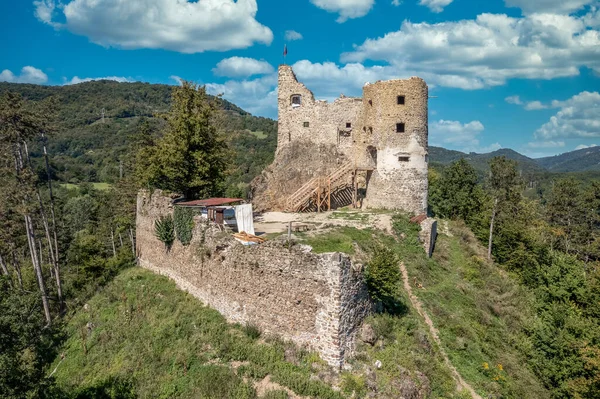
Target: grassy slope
[[480, 311], [147, 331]]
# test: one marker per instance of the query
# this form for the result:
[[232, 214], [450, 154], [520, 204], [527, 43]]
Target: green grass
[[97, 186], [167, 344], [340, 239], [347, 215], [479, 310]]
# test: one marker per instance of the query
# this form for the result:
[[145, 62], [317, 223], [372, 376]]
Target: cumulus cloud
[[548, 6], [257, 96], [514, 100], [396, 2], [584, 146], [347, 9], [183, 26], [291, 35], [459, 136], [489, 50], [435, 5], [28, 74], [76, 79], [242, 67], [578, 116], [535, 105]]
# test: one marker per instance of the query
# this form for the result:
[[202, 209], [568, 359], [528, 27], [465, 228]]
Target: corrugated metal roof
[[210, 202]]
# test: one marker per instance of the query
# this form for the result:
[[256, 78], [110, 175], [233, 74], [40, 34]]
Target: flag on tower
[[284, 50]]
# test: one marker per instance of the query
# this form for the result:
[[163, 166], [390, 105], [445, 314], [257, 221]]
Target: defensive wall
[[315, 300]]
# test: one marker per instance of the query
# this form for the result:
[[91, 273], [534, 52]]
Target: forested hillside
[[97, 122]]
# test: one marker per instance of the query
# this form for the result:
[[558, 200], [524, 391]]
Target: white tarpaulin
[[244, 218]]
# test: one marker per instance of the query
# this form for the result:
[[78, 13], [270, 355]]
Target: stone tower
[[384, 134], [394, 135]]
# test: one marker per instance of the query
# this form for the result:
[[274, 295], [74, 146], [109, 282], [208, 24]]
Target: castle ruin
[[326, 152]]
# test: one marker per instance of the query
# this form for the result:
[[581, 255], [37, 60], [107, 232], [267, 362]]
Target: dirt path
[[416, 303]]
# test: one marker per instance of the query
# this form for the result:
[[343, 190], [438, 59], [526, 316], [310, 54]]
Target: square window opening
[[400, 127], [348, 125], [401, 100], [306, 124]]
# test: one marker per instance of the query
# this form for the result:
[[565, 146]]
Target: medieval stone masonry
[[384, 134], [317, 301]]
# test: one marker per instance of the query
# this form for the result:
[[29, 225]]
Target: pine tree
[[191, 157]]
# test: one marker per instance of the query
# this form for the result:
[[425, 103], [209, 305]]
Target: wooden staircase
[[318, 190]]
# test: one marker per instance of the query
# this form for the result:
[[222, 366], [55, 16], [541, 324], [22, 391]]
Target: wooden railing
[[318, 190]]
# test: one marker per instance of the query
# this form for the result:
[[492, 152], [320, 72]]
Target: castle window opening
[[370, 130], [399, 127], [306, 124], [370, 102], [296, 100], [400, 100], [403, 159], [348, 125]]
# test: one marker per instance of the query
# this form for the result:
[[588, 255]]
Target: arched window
[[296, 100]]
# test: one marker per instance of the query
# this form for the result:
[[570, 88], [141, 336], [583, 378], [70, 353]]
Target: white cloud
[[257, 96], [459, 136], [76, 79], [328, 80], [435, 5], [396, 2], [347, 9], [242, 67], [578, 116], [176, 79], [535, 105], [177, 25], [291, 35], [584, 146], [548, 6], [28, 74], [487, 51], [514, 100], [546, 144]]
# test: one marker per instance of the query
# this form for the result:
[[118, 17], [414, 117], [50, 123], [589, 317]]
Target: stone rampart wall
[[318, 301]]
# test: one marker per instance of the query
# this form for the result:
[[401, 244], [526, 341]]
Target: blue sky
[[521, 74]]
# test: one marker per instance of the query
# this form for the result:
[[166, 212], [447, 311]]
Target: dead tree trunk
[[17, 268], [37, 267], [19, 166], [132, 241], [5, 270], [494, 210], [112, 241]]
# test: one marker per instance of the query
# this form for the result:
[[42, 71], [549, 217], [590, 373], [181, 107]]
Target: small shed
[[218, 210]]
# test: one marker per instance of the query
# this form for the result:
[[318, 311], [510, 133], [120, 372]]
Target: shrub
[[183, 218], [383, 275], [279, 394], [164, 230], [354, 384]]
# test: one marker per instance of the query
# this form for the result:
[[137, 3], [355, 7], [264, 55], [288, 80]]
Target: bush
[[383, 275], [354, 384], [184, 224], [164, 229]]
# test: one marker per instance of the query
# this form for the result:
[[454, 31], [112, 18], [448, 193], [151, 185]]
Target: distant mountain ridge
[[584, 160]]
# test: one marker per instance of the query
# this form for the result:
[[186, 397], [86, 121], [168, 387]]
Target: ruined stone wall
[[363, 131], [314, 300], [327, 122]]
